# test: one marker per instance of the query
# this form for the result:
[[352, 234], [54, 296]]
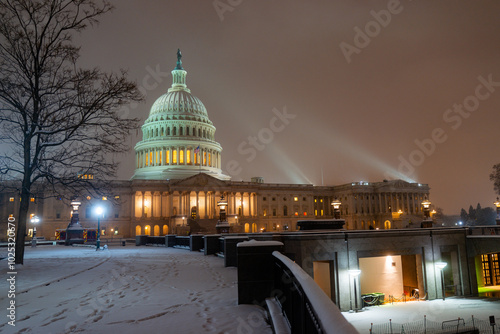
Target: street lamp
[[99, 211], [497, 204], [427, 205], [336, 208], [34, 220], [222, 225], [440, 266], [222, 203], [354, 273]]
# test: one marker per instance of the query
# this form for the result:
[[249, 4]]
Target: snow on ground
[[164, 290], [126, 290], [435, 310]]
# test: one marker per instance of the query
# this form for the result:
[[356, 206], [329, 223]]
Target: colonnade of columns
[[183, 203], [182, 155], [387, 202]]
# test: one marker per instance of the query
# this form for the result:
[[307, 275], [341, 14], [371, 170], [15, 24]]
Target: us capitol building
[[178, 181]]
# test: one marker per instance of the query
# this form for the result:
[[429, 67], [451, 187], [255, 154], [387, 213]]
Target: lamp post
[[222, 224], [427, 205], [34, 220], [74, 231], [427, 222], [440, 266], [99, 211], [336, 208], [354, 273], [497, 204]]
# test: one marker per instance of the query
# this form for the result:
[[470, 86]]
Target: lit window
[[89, 198], [104, 198], [11, 199], [305, 213], [295, 199], [321, 200], [174, 156], [181, 156], [315, 212], [315, 200], [117, 197], [188, 157], [264, 213], [32, 199], [296, 213]]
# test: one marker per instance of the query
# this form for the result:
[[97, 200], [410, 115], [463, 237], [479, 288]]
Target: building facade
[[178, 181]]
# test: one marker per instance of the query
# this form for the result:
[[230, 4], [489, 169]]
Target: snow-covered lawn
[[126, 290]]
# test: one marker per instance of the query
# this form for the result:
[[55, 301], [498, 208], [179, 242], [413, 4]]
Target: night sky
[[370, 90]]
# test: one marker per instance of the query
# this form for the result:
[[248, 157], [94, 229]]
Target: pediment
[[397, 184], [200, 181]]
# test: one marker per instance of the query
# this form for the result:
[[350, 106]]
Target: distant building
[[178, 181]]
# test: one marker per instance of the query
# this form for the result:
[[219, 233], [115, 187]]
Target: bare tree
[[57, 120], [495, 177]]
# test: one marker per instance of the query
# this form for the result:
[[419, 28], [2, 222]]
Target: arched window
[[174, 156], [156, 132], [181, 156], [199, 132], [175, 131], [387, 225], [165, 229], [168, 131], [187, 131], [147, 230], [157, 231], [138, 230], [181, 131]]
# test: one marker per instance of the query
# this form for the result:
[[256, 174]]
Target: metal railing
[[426, 326]]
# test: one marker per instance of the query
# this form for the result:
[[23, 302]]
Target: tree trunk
[[21, 223]]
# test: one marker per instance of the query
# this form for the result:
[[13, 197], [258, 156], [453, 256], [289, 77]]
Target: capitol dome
[[178, 138]]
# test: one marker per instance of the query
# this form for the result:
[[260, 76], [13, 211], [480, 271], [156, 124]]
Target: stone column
[[206, 195], [197, 204], [143, 194], [242, 204]]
